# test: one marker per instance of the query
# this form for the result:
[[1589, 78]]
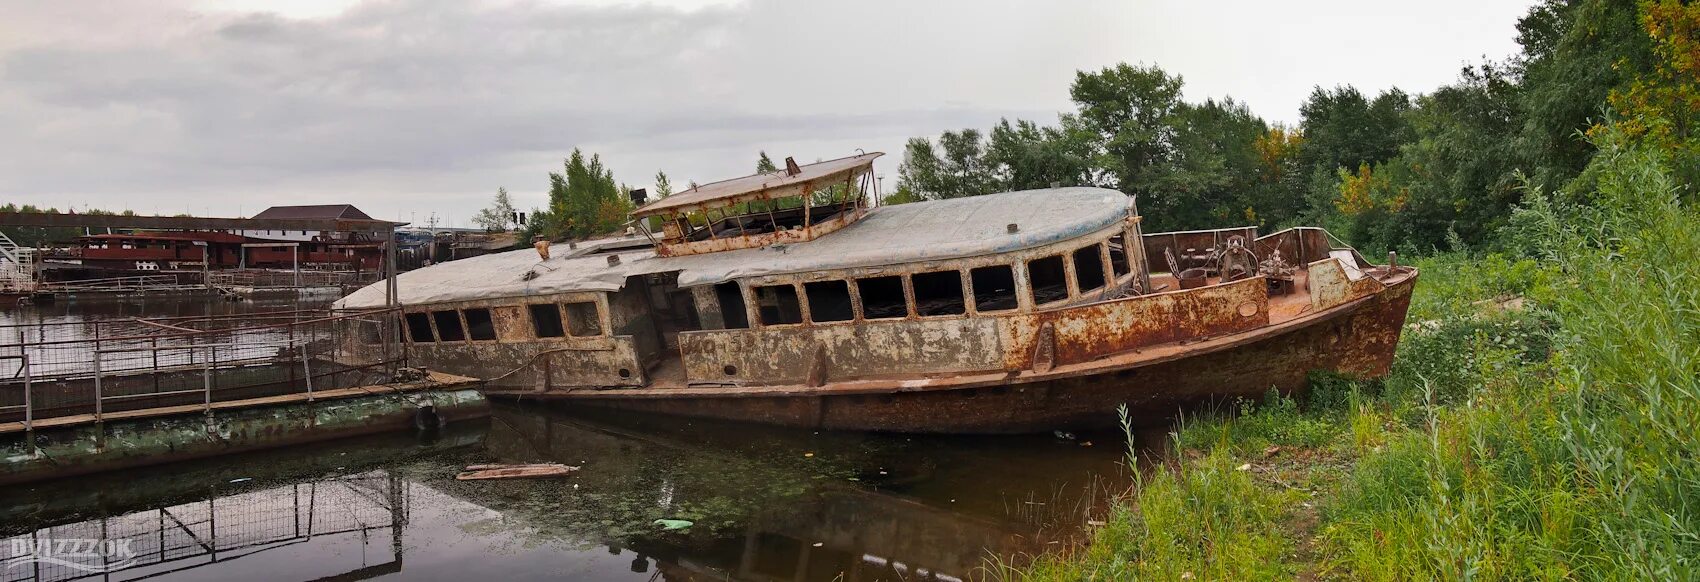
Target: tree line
[[1388, 171], [37, 236]]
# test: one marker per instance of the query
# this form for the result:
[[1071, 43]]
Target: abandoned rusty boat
[[785, 298]]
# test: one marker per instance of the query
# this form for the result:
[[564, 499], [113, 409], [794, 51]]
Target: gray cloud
[[406, 107]]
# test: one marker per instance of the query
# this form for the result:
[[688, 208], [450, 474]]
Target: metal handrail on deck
[[206, 374]]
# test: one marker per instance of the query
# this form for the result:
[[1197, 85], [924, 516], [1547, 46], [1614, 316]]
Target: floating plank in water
[[480, 472]]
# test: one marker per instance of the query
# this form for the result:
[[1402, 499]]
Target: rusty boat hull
[[1017, 312], [1356, 339]]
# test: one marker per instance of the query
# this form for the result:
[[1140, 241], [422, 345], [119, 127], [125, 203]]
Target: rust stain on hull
[[1357, 338]]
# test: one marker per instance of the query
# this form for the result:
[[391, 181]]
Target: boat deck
[[1282, 308]]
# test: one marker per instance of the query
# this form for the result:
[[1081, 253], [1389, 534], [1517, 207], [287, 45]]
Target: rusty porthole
[[730, 370], [1248, 309], [625, 373]]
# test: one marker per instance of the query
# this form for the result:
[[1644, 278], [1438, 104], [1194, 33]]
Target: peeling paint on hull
[[1357, 339]]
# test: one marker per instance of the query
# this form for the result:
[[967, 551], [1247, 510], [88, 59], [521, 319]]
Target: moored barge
[[784, 298]]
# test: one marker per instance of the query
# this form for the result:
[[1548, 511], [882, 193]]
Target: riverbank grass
[[1540, 422]]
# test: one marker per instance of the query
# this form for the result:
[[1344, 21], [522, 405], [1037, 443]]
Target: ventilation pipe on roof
[[1013, 228], [791, 168]]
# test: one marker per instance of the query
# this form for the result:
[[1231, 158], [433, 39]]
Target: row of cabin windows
[[580, 320], [936, 293], [449, 328]]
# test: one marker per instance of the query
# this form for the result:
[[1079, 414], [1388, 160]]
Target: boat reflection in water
[[766, 504]]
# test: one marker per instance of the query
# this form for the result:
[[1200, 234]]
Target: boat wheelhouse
[[784, 298]]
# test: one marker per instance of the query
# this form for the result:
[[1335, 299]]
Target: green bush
[[1578, 467], [1551, 440]]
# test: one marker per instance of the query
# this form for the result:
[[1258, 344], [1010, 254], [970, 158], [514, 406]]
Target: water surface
[[764, 504]]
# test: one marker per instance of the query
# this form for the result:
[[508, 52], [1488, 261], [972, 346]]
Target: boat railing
[[1191, 248], [1299, 245], [1302, 245]]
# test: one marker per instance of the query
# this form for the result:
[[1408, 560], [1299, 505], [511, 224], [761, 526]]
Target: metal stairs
[[17, 265]]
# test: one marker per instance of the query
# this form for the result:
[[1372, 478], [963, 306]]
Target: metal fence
[[277, 279], [121, 284], [162, 541], [102, 366]]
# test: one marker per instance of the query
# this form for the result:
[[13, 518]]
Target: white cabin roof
[[888, 235]]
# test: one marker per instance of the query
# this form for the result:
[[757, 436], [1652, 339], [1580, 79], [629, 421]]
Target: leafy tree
[[584, 200], [1214, 174], [1027, 156], [956, 168], [764, 165], [1195, 165], [1130, 115], [1191, 165], [1281, 177], [499, 216], [1343, 131], [1662, 107], [902, 195], [1575, 53], [663, 186], [1392, 171]]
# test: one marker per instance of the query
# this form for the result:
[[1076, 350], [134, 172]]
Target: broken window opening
[[1118, 255], [478, 324], [994, 288], [419, 328], [1088, 268], [1048, 279], [882, 297], [938, 293], [715, 228], [448, 326], [829, 301], [582, 319], [732, 305], [698, 226], [546, 320], [778, 305]]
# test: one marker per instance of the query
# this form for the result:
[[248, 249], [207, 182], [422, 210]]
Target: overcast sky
[[409, 107]]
